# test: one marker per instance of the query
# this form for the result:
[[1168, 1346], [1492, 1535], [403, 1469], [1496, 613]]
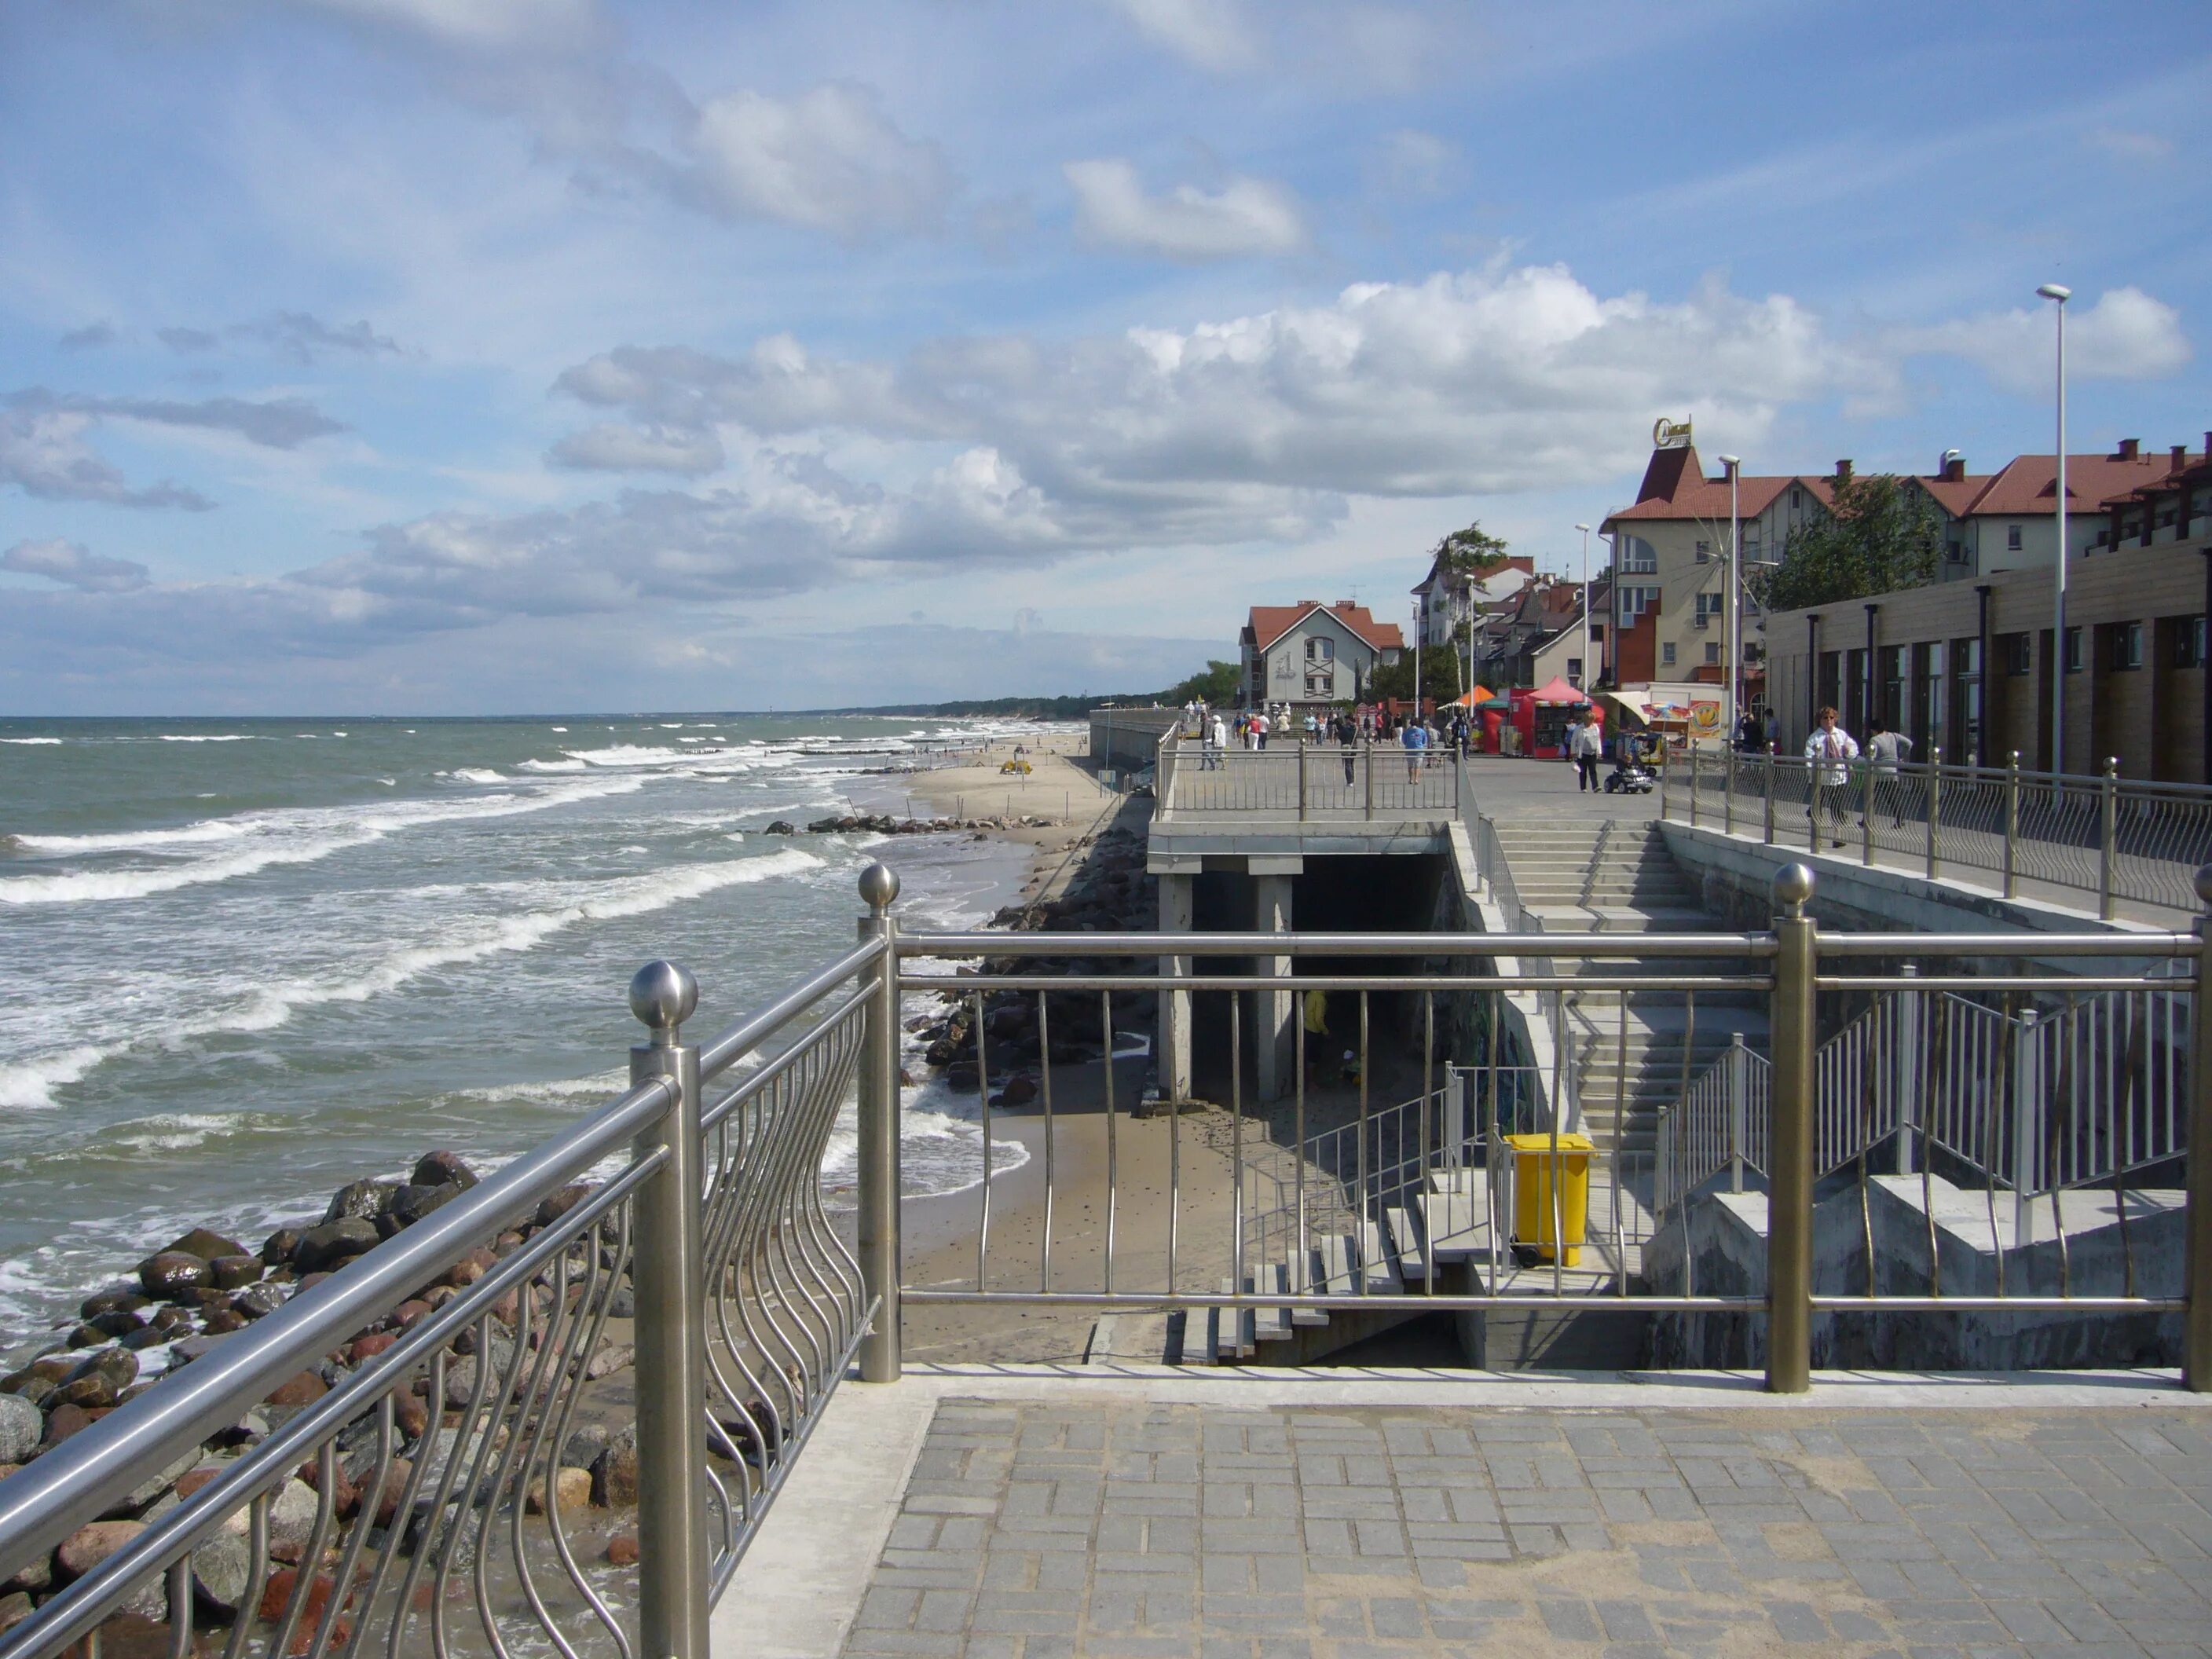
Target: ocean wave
[[474, 774], [40, 741], [608, 1083], [27, 1085], [563, 765], [278, 838], [212, 737]]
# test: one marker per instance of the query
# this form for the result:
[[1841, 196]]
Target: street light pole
[[2052, 291], [1590, 662], [1732, 649]]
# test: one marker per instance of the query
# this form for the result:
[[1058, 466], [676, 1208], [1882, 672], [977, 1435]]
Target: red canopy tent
[[1544, 714]]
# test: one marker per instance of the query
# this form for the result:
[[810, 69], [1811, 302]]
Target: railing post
[[1770, 794], [2196, 1271], [879, 1149], [1790, 1179], [1728, 790], [1906, 1077], [669, 1277], [1866, 808], [1739, 1088], [1935, 811], [1666, 782], [1695, 769], [1371, 777], [2026, 1116], [2012, 821], [1302, 777], [2108, 835]]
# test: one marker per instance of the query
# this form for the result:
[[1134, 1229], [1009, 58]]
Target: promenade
[[1333, 1513]]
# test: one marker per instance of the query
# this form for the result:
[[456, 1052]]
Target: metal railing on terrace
[[1292, 778], [2113, 837], [434, 1521]]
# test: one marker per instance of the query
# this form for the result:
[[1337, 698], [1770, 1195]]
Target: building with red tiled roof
[[2011, 522], [1314, 653]]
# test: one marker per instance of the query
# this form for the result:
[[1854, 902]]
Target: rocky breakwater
[[1107, 890], [190, 1296], [882, 823]]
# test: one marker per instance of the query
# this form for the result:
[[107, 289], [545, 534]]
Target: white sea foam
[[474, 774], [210, 737], [27, 1085], [284, 838], [42, 741], [564, 765]]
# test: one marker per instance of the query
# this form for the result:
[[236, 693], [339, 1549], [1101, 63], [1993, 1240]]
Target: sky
[[500, 356]]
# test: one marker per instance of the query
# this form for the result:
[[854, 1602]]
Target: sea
[[243, 962]]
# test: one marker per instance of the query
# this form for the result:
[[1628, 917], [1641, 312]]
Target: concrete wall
[[1128, 738]]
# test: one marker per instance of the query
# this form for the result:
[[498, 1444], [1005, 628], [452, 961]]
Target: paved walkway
[[1120, 1525]]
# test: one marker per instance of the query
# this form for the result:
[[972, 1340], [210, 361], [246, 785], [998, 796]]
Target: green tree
[[1474, 553], [1441, 669], [1878, 536], [1216, 687]]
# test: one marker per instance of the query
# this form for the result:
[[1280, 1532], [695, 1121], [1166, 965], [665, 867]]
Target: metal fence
[[423, 1503], [428, 1502], [1294, 779], [2118, 839]]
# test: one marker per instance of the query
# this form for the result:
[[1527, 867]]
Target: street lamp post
[[1589, 661], [1731, 649], [2052, 291]]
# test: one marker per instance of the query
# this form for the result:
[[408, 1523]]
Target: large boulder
[[438, 1169], [22, 1427], [172, 1275], [614, 1471], [414, 1201], [322, 1247], [207, 1244], [97, 1382], [360, 1200]]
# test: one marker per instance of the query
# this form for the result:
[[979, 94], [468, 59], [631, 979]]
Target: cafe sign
[[1670, 435]]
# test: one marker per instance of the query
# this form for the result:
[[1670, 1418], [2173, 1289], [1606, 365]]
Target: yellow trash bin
[[1534, 1222]]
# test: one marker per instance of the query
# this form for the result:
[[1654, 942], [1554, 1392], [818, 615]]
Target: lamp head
[[2053, 291], [1731, 462], [1584, 528]]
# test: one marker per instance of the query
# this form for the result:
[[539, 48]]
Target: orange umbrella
[[1477, 695]]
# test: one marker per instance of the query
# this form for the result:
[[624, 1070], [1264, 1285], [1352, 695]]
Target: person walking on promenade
[[1260, 725], [1415, 737], [1214, 736], [1585, 747], [1887, 749], [1348, 739], [1828, 753]]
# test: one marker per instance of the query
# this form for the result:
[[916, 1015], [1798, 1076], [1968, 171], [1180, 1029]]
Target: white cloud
[[611, 447], [2125, 335], [75, 566], [1212, 35], [1246, 216], [297, 334], [44, 453], [274, 423], [829, 159], [2127, 146], [476, 24]]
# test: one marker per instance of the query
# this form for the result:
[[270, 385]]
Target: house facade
[[1444, 599], [1311, 653]]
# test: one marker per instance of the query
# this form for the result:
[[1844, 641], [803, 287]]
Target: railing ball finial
[[663, 996], [880, 886], [1793, 886], [2204, 885]]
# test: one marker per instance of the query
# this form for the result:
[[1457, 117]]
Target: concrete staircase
[[1630, 1053]]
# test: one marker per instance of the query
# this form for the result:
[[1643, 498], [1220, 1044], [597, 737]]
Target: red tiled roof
[[1675, 487], [1269, 622], [2027, 484]]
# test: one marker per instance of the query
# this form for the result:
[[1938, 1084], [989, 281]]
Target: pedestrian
[[1216, 734], [1828, 754], [1584, 748], [1888, 750], [1348, 739], [1415, 737], [1746, 734], [1260, 724]]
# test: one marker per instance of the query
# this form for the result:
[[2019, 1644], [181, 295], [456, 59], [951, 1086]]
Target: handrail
[[44, 1503]]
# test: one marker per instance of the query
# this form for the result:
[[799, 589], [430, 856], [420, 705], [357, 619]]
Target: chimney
[[1954, 470], [1843, 471], [2130, 449], [2177, 458]]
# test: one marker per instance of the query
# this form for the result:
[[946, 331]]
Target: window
[[2073, 650], [1321, 650], [1574, 671], [1636, 600], [1796, 499], [2012, 538], [2127, 645], [1667, 654], [2189, 642], [2019, 655], [1704, 552], [1713, 652], [1955, 551], [1711, 605], [1638, 557]]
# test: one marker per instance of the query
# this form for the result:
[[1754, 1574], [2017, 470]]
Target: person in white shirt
[[1888, 750], [1260, 729], [1216, 734], [1584, 746], [1829, 752]]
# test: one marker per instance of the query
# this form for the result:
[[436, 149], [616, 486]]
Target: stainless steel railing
[[2119, 839], [1293, 779], [424, 1503]]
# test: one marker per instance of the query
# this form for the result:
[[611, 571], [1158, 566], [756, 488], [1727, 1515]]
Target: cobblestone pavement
[[1126, 1529]]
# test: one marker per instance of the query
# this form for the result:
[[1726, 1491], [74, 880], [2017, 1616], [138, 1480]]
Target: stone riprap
[[1134, 1528]]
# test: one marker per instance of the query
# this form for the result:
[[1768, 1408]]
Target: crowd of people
[[1349, 729]]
